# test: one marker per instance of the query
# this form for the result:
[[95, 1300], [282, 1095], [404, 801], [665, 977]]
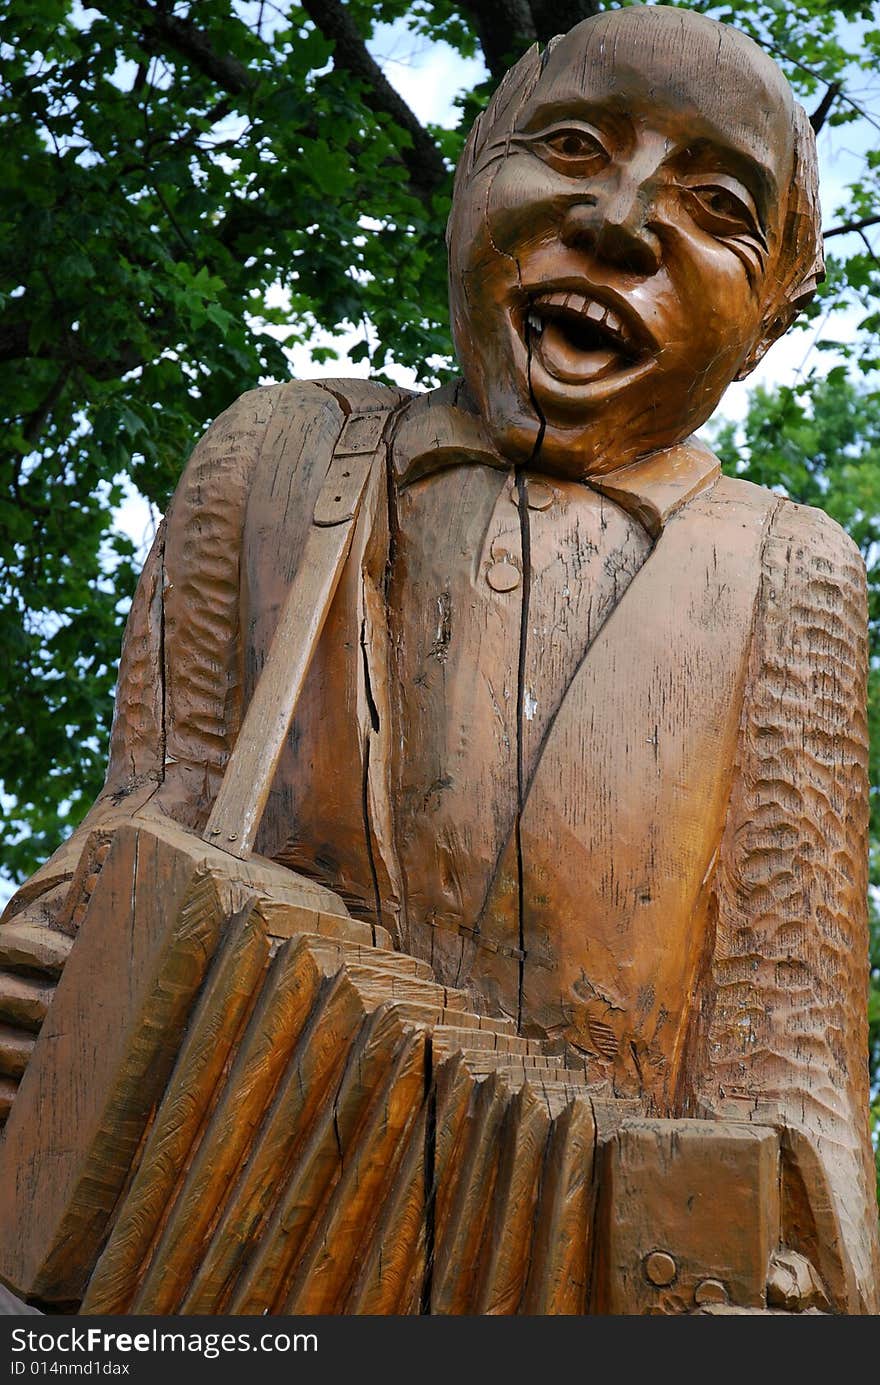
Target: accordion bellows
[[268, 1110], [288, 1124]]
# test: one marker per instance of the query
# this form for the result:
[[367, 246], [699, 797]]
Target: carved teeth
[[582, 306]]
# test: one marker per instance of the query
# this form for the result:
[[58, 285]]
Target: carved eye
[[720, 201], [574, 143], [723, 211], [573, 150]]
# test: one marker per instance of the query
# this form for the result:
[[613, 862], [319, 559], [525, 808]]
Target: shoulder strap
[[359, 453]]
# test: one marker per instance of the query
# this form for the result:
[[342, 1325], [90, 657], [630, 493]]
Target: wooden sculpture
[[473, 919]]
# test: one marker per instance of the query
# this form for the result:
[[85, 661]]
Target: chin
[[590, 451], [601, 438], [523, 439], [576, 398]]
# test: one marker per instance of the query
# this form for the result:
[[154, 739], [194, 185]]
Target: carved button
[[503, 577], [660, 1268], [538, 496], [710, 1291]]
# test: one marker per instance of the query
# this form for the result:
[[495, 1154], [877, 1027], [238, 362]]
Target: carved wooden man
[[584, 728]]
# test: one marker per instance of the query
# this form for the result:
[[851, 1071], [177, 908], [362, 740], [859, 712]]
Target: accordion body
[[272, 1111]]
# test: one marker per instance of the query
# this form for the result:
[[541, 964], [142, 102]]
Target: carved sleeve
[[785, 1005], [199, 657]]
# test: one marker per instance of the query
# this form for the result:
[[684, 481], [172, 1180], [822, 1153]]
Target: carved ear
[[772, 329], [781, 315], [801, 265]]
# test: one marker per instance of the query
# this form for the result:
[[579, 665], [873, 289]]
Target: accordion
[[243, 1102]]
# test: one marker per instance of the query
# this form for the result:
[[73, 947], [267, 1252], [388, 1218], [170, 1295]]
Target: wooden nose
[[614, 232]]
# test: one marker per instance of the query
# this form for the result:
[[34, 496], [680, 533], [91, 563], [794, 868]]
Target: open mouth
[[580, 341]]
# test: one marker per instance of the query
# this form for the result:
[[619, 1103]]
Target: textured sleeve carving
[[137, 738], [787, 995], [201, 669]]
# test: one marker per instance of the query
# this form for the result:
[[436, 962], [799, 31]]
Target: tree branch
[[848, 226], [192, 43], [869, 247], [69, 348], [820, 114], [423, 162], [35, 422], [505, 29], [553, 17]]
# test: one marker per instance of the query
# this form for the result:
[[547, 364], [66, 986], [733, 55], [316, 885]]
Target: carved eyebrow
[[614, 123], [711, 157]]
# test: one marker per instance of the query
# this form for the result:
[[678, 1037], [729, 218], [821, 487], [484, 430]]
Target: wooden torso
[[518, 738], [485, 642], [566, 715]]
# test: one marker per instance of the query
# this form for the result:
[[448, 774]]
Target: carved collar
[[433, 432]]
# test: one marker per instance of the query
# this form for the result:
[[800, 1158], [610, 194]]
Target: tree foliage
[[172, 172]]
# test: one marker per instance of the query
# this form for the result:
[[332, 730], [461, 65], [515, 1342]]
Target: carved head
[[634, 222]]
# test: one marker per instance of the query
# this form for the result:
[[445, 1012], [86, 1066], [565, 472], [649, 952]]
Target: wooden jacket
[[598, 752]]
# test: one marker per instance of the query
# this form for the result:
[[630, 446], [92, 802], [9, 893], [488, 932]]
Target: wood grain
[[283, 1007], [180, 1118], [150, 944], [29, 947], [506, 1260], [707, 1209], [787, 1016], [16, 1048]]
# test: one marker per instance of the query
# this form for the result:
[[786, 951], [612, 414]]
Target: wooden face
[[613, 250]]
